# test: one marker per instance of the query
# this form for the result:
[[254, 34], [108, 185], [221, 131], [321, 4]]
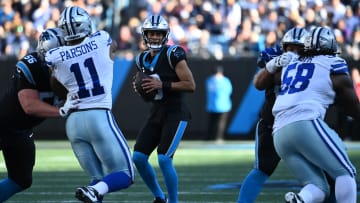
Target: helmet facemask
[[157, 24], [295, 36], [155, 44]]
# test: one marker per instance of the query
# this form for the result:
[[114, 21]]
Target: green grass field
[[207, 173]]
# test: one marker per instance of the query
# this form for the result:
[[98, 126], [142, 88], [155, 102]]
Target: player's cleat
[[88, 194], [159, 200], [291, 197]]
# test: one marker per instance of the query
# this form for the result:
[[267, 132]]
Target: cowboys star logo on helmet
[[321, 40], [75, 22]]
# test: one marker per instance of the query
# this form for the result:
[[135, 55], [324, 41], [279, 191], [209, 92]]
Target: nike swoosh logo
[[91, 194]]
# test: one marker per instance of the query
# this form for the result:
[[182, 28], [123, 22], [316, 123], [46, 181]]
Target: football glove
[[280, 61], [71, 103], [268, 54], [137, 84]]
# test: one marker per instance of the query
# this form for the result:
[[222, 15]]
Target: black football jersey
[[30, 72], [163, 64], [266, 111]]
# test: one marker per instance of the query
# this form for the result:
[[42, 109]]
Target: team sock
[[147, 173], [311, 193], [170, 176], [251, 186], [345, 189], [117, 181], [8, 188]]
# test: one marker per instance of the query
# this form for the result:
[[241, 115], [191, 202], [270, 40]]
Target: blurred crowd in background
[[205, 28]]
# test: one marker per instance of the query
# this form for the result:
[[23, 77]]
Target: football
[[138, 82]]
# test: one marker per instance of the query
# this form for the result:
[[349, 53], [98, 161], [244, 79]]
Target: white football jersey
[[306, 89], [85, 69]]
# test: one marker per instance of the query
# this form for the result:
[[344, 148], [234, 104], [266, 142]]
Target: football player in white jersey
[[268, 79], [306, 144], [85, 68]]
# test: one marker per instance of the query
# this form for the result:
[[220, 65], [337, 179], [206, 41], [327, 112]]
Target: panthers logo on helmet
[[49, 39]]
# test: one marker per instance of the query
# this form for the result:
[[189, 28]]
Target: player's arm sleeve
[[23, 77], [344, 88], [345, 95], [137, 61], [176, 54], [107, 41], [338, 66]]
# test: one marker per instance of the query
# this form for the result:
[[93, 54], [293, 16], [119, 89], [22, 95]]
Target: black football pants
[[18, 149]]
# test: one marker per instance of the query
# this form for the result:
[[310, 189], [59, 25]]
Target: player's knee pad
[[164, 160], [139, 158]]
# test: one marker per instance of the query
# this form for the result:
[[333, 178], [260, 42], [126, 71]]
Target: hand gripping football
[[138, 82]]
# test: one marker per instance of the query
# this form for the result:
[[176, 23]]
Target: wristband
[[166, 85], [272, 66]]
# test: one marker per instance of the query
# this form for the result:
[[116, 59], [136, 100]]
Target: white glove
[[71, 103], [280, 61], [160, 93]]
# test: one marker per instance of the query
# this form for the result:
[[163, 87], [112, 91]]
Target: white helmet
[[321, 40], [75, 23], [294, 36], [49, 38], [155, 23]]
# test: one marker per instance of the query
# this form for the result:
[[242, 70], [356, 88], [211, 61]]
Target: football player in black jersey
[[26, 104], [169, 115]]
